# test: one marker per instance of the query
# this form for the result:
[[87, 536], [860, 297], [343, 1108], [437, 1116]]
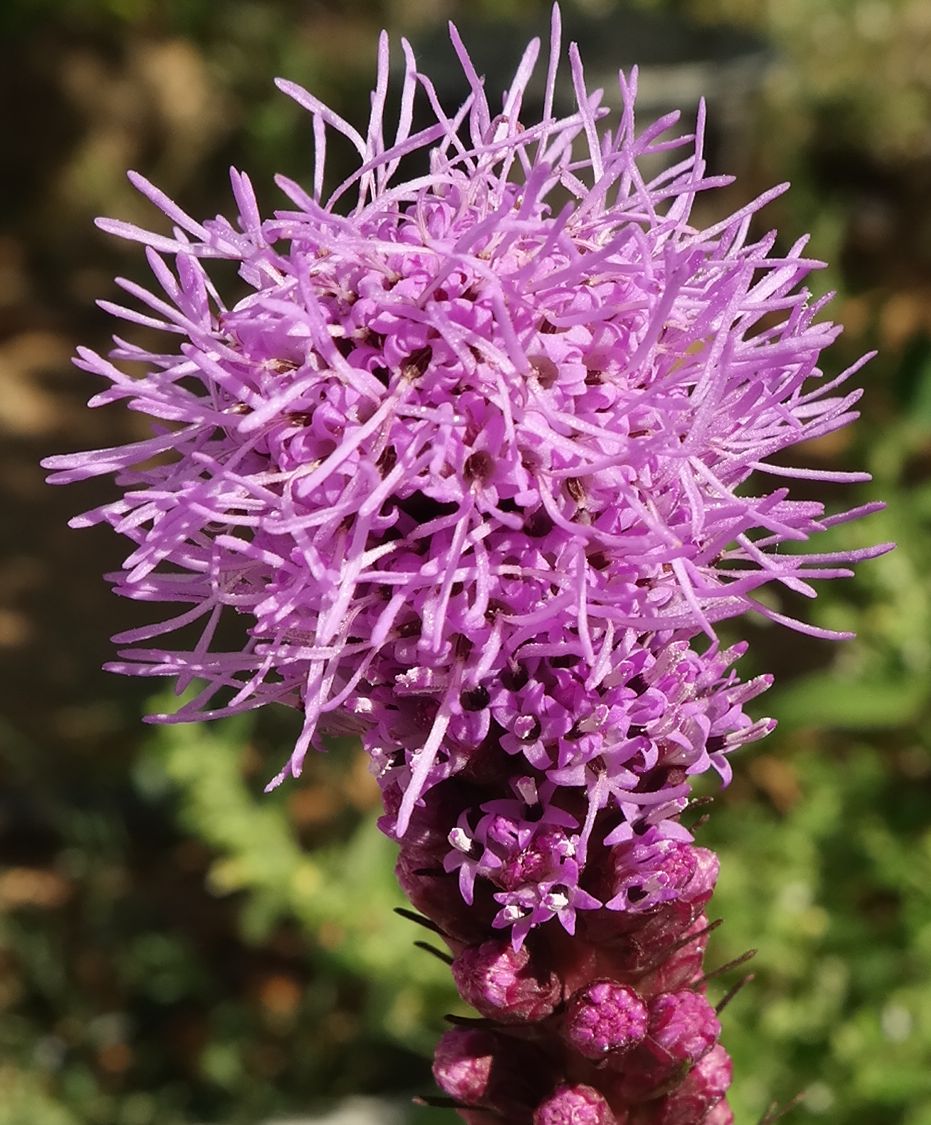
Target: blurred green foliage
[[176, 947]]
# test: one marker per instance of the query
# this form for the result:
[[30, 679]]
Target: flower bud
[[503, 983], [722, 1114], [462, 1064], [486, 1070], [605, 1016], [434, 893], [701, 1091], [683, 1026], [683, 965], [574, 1105], [698, 890]]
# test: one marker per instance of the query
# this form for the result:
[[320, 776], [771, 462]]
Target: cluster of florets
[[559, 775], [597, 1022], [468, 462]]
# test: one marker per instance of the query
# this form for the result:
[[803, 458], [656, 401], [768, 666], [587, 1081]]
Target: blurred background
[[176, 947]]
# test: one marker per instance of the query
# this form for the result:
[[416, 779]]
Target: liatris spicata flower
[[467, 457]]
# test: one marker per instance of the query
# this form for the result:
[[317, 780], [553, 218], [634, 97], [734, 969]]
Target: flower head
[[464, 449]]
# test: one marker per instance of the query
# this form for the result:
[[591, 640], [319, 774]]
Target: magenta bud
[[435, 894], [574, 1105], [462, 1064], [492, 1073], [700, 887], [683, 1026], [701, 1091], [605, 1016], [666, 925], [722, 1114], [503, 983], [675, 870], [682, 966], [642, 948]]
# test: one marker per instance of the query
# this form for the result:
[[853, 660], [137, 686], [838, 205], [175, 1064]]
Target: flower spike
[[478, 465]]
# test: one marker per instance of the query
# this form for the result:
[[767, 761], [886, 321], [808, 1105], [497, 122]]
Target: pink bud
[[574, 1105], [701, 1091], [722, 1114], [462, 1064], [503, 983], [683, 1026], [603, 1017], [492, 1072], [700, 887], [682, 966], [435, 894]]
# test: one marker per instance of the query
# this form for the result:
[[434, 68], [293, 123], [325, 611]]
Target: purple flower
[[467, 457], [464, 423]]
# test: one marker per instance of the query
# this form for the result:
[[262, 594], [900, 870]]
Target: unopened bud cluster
[[609, 1023]]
